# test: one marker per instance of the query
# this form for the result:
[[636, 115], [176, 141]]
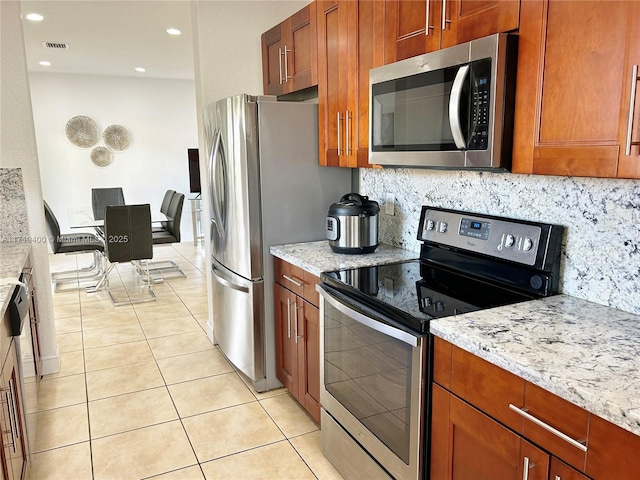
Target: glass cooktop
[[414, 292]]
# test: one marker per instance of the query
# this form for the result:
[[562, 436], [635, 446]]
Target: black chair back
[[166, 201], [127, 231], [175, 214], [103, 197], [53, 228]]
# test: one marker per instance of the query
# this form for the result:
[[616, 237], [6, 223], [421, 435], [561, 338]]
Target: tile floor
[[142, 393]]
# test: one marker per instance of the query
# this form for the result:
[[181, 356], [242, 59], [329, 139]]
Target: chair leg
[[104, 280], [80, 273], [167, 266]]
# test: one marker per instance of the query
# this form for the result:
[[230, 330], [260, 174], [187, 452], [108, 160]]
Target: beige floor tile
[[130, 411], [111, 318], [210, 393], [202, 318], [69, 342], [102, 304], [100, 337], [61, 392], [142, 453], [309, 447], [66, 310], [241, 428], [171, 346], [193, 365], [61, 427], [117, 355], [72, 462], [65, 298], [289, 415], [261, 395], [162, 327], [190, 473], [150, 312], [125, 379], [68, 325], [278, 460], [197, 305], [71, 363]]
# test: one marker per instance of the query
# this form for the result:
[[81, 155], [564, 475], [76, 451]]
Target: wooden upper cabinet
[[574, 87], [414, 27], [349, 45], [289, 53]]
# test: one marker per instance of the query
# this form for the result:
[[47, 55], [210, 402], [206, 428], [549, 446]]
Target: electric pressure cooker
[[352, 224]]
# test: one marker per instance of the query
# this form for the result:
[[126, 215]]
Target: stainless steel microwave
[[449, 109]]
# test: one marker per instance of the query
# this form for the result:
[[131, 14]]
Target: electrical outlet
[[390, 204]]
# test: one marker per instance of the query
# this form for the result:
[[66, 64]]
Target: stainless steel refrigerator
[[265, 188]]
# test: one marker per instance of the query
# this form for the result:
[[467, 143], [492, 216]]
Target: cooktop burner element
[[468, 262]]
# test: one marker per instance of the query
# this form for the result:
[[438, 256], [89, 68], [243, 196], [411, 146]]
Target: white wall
[[18, 150], [228, 61], [160, 115]]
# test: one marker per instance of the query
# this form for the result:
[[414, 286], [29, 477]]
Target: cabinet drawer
[[487, 387], [565, 417], [613, 451], [297, 280]]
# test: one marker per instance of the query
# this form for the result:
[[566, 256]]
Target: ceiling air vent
[[63, 46]]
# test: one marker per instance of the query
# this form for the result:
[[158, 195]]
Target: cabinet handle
[[7, 392], [444, 15], [288, 318], [558, 477], [286, 64], [280, 63], [548, 428], [632, 107], [347, 116], [339, 120], [526, 467], [295, 320], [427, 27], [294, 281]]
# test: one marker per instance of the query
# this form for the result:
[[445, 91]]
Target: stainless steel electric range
[[375, 344]]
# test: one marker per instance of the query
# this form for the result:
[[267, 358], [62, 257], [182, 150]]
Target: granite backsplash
[[601, 245], [14, 224]]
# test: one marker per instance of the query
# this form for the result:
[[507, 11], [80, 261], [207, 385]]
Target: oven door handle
[[376, 325]]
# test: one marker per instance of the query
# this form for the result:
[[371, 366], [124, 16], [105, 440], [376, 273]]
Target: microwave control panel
[[509, 240], [480, 104]]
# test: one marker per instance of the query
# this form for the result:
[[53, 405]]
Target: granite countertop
[[317, 257], [586, 353], [12, 260]]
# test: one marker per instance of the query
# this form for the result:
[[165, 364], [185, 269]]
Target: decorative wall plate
[[116, 137], [101, 156], [82, 131]]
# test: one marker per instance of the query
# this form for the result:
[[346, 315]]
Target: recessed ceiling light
[[44, 63], [34, 17], [140, 69], [173, 31]]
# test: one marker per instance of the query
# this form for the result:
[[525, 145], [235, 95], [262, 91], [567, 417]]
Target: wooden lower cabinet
[[614, 453], [297, 323], [476, 446]]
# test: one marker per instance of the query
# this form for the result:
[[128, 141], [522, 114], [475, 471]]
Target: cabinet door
[[286, 352], [308, 318], [613, 451], [573, 87], [300, 49], [480, 448], [272, 58], [466, 20], [332, 79], [412, 27], [561, 471], [15, 448]]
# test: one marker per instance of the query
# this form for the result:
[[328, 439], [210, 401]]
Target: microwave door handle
[[454, 107], [367, 321]]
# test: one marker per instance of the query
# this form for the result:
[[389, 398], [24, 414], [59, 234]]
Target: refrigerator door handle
[[226, 282], [216, 219]]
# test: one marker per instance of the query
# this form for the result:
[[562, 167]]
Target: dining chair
[[69, 243], [102, 197], [127, 237], [169, 233], [164, 208]]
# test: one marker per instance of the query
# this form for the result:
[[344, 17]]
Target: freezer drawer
[[238, 320]]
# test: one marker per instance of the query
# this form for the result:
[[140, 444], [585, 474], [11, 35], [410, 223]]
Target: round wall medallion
[[116, 137], [82, 131], [101, 156]]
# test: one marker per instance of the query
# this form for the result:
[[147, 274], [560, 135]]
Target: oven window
[[369, 373]]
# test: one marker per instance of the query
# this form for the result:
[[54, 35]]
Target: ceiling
[[111, 37]]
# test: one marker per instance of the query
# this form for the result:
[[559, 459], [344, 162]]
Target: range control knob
[[509, 240], [527, 244], [439, 306], [443, 227], [430, 224], [426, 302]]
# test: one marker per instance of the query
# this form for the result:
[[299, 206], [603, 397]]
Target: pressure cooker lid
[[353, 204]]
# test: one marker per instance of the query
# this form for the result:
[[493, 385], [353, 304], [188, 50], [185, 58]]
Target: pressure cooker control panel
[[503, 238]]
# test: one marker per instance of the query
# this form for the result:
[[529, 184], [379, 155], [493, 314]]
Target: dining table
[[83, 217]]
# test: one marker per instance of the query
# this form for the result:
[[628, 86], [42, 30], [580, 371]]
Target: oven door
[[373, 385]]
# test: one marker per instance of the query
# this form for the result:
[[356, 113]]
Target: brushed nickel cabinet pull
[[286, 64], [280, 63], [548, 428], [288, 318], [339, 120], [444, 15], [427, 27], [347, 127], [525, 470], [294, 281], [632, 107]]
